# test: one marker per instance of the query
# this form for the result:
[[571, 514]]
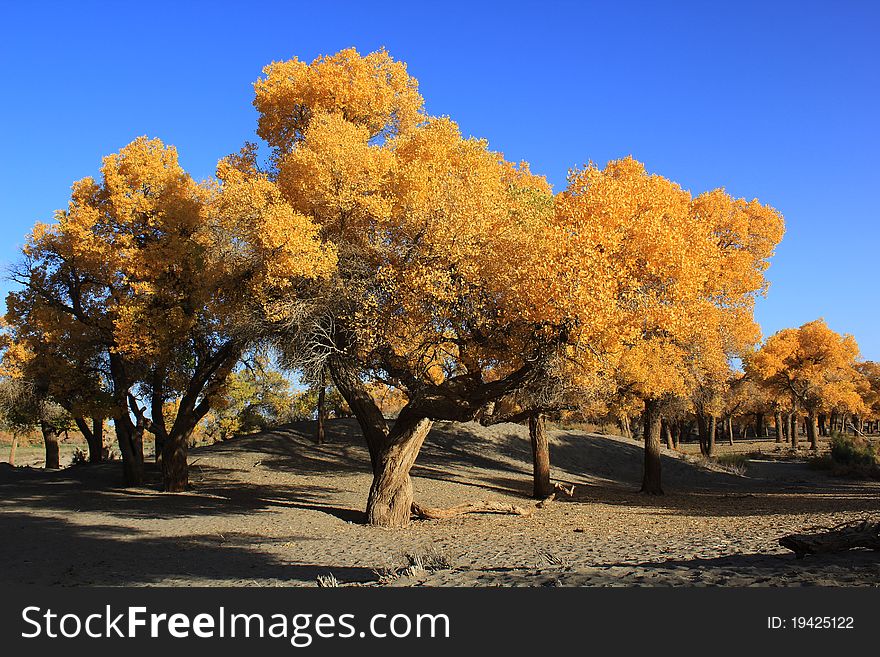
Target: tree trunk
[[175, 467], [780, 429], [651, 423], [793, 429], [703, 429], [676, 434], [130, 437], [713, 428], [541, 487], [50, 439], [94, 437], [759, 425], [12, 448], [391, 494], [823, 429], [730, 429], [813, 430], [322, 391], [667, 434]]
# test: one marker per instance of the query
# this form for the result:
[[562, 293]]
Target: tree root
[[483, 506], [843, 537]]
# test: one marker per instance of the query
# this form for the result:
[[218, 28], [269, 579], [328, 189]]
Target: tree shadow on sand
[[114, 555], [216, 492]]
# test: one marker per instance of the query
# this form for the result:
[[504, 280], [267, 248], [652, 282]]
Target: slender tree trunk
[[780, 430], [541, 487], [713, 428], [651, 422], [823, 429], [50, 439], [730, 429], [12, 448], [676, 434], [793, 429], [703, 428], [97, 455], [759, 425], [175, 466], [391, 493], [813, 430], [322, 391], [667, 433]]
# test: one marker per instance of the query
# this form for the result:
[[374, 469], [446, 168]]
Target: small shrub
[[851, 456], [852, 450], [734, 462], [427, 561], [328, 581]]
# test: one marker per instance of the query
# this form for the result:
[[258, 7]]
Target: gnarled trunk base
[[391, 494], [131, 446]]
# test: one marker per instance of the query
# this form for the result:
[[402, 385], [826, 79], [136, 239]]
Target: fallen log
[[483, 506], [569, 492], [843, 537], [543, 504]]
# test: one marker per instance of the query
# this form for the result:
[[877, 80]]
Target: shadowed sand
[[275, 509]]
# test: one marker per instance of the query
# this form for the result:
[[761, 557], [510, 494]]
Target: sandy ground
[[273, 509]]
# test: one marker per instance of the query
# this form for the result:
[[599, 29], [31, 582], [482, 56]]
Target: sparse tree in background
[[255, 397], [24, 407]]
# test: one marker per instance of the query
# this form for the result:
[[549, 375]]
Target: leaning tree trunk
[[813, 430], [391, 494], [50, 439], [541, 488], [322, 391], [94, 436], [651, 424]]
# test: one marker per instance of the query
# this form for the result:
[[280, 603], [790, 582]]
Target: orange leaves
[[372, 91], [668, 274], [273, 244], [813, 365]]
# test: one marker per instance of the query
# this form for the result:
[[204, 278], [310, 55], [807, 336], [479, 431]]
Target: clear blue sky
[[774, 100]]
